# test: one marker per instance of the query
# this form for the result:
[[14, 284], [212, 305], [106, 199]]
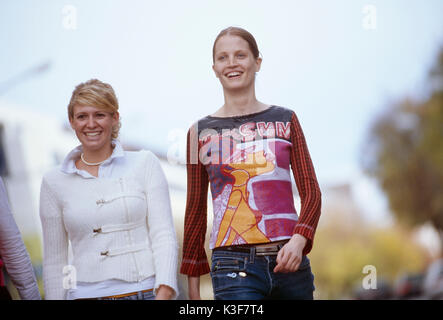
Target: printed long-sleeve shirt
[[247, 160]]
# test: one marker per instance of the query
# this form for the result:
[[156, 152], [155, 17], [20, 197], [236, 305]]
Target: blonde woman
[[112, 205]]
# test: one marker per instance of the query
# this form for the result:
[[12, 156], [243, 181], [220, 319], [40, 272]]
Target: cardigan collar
[[68, 165]]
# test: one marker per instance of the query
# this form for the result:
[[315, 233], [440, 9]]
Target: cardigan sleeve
[[195, 262], [14, 254], [161, 226], [55, 244], [307, 185]]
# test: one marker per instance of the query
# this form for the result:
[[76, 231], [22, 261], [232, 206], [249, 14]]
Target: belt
[[118, 295], [264, 249]]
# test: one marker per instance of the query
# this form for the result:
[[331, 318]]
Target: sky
[[336, 63]]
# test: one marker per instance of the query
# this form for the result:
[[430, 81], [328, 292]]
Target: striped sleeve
[[195, 262], [307, 185]]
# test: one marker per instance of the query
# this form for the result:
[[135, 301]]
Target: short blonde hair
[[98, 94]]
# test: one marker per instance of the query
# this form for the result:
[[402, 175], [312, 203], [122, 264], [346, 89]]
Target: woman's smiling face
[[234, 63], [93, 126]]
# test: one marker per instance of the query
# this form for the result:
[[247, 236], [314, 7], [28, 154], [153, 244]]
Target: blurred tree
[[343, 248], [404, 153]]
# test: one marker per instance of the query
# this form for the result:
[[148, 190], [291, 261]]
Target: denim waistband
[[257, 249]]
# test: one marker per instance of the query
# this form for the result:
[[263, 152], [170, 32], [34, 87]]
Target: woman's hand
[[290, 255], [164, 293]]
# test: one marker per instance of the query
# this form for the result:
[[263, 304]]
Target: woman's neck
[[94, 156], [241, 103]]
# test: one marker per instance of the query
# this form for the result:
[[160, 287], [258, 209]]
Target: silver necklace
[[91, 163]]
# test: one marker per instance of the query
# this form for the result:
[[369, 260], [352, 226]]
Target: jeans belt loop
[[252, 255]]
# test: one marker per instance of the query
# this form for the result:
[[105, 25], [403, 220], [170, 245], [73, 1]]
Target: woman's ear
[[213, 68], [258, 64], [115, 117]]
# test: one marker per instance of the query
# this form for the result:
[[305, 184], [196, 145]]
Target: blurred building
[[339, 204], [30, 144]]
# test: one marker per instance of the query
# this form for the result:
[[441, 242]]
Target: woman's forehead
[[230, 42], [88, 108]]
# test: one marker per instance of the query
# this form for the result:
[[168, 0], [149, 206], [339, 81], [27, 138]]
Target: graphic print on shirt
[[248, 167], [244, 224]]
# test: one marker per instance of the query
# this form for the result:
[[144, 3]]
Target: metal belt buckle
[[266, 251]]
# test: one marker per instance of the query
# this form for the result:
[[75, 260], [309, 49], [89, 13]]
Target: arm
[[55, 244], [194, 288], [195, 262], [14, 254], [290, 255], [161, 231]]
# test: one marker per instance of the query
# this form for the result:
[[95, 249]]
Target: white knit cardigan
[[118, 228]]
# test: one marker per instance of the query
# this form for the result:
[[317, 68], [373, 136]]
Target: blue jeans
[[246, 276]]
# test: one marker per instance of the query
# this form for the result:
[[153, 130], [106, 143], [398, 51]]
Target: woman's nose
[[91, 122], [232, 61]]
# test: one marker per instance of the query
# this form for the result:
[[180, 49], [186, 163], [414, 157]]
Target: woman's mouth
[[233, 74], [92, 134]]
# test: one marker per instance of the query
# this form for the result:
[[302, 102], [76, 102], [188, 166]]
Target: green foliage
[[34, 247], [404, 153], [341, 253]]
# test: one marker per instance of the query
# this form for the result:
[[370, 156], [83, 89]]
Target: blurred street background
[[364, 77]]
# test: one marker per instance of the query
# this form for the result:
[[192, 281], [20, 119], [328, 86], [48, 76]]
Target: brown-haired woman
[[113, 207], [246, 150]]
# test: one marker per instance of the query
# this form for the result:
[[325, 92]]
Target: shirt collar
[[68, 165]]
